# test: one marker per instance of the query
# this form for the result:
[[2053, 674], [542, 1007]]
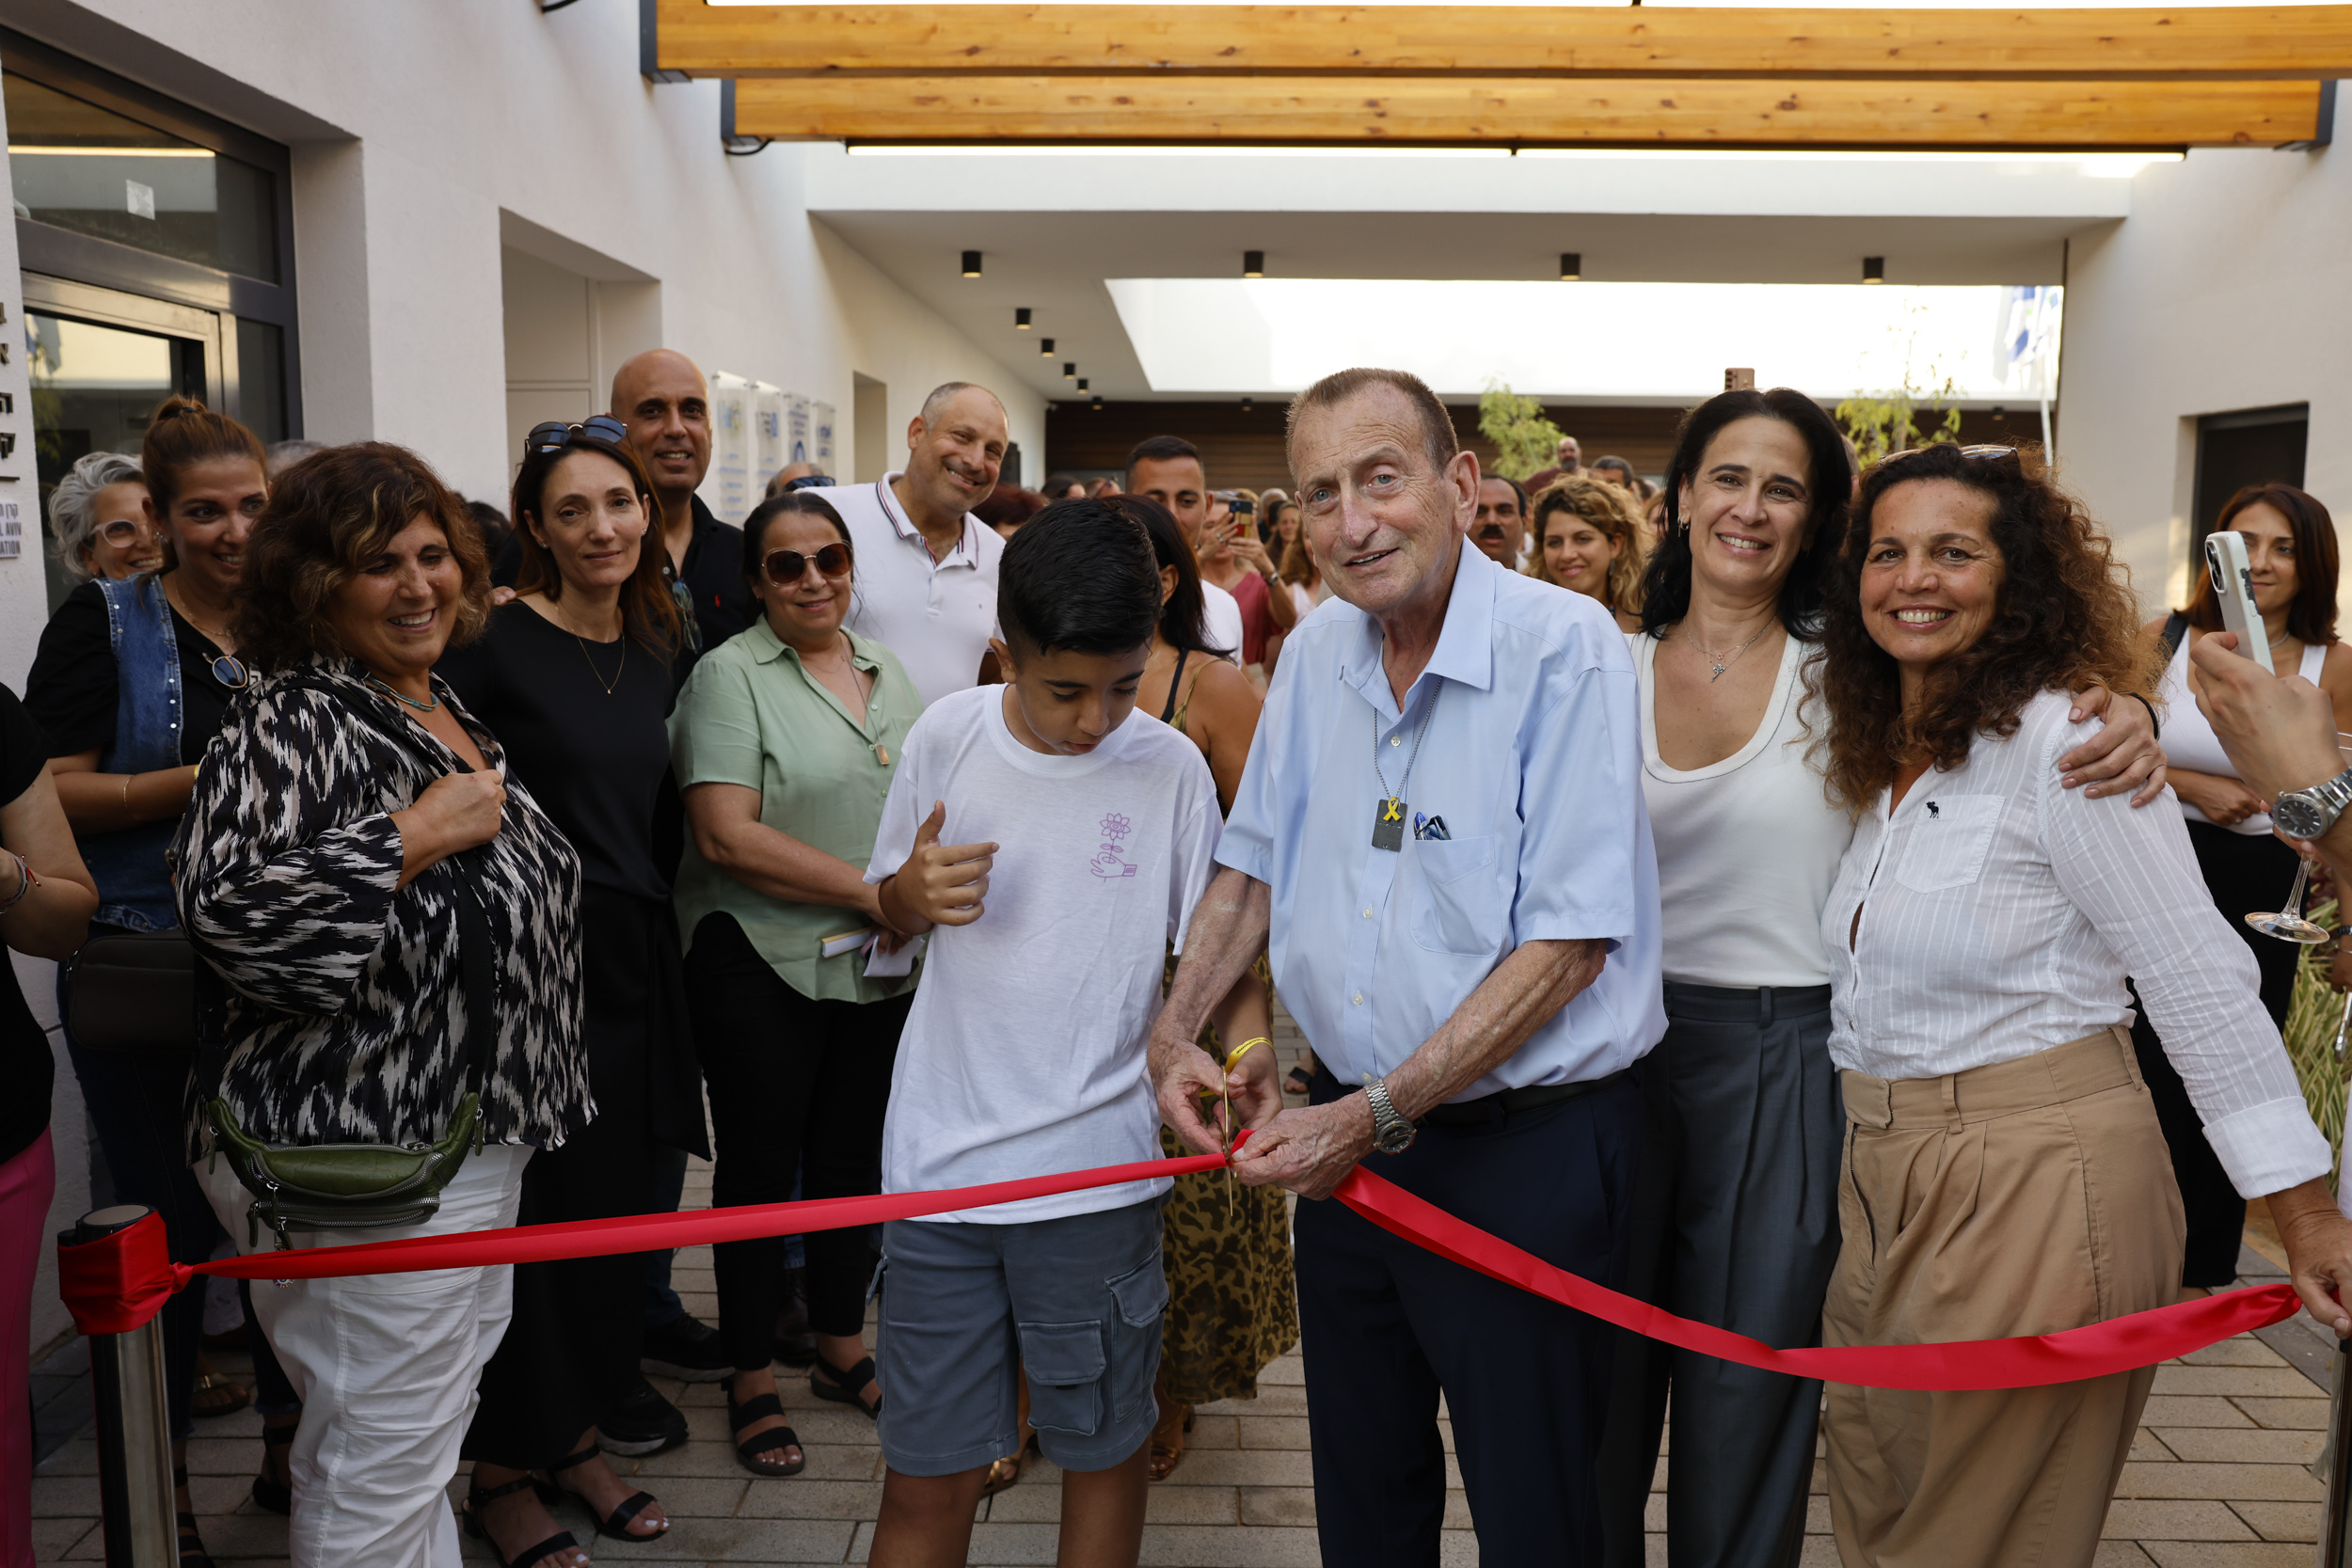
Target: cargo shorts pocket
[[1064, 1365], [1142, 1297]]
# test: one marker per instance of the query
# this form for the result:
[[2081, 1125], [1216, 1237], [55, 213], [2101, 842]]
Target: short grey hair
[[72, 505], [285, 455]]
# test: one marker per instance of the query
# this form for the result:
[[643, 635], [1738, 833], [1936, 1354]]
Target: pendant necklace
[[1388, 817], [614, 684], [228, 669], [1718, 663]]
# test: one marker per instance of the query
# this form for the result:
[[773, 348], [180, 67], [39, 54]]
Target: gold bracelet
[[126, 794]]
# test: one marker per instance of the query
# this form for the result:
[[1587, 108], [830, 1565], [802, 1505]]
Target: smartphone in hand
[[2234, 586]]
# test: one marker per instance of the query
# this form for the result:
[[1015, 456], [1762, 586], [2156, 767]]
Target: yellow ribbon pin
[[1225, 1116]]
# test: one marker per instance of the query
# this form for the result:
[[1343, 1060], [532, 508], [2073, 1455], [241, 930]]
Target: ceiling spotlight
[[1020, 318], [1097, 401], [1874, 269], [1253, 264], [1248, 405], [1571, 265], [971, 263], [1069, 371], [1081, 384], [1045, 348]]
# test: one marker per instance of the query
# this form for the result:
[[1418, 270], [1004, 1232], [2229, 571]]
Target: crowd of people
[[523, 853]]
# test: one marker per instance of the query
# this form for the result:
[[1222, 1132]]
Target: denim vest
[[133, 884]]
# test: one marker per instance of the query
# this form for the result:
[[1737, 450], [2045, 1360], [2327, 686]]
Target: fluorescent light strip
[[18, 151]]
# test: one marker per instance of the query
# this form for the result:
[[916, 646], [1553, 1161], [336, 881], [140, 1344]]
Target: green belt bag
[[357, 1186]]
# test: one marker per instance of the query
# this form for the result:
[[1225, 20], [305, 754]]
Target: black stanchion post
[[2335, 1534], [134, 1427]]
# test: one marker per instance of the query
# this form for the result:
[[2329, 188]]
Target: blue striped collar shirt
[[1531, 762]]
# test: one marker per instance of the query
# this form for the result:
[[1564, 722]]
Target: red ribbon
[[117, 1283]]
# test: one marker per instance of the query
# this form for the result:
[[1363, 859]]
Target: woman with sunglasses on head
[[131, 682], [785, 741], [574, 677], [98, 522], [1734, 1214]]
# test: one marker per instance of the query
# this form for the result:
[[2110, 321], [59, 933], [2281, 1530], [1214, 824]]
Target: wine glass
[[2288, 925]]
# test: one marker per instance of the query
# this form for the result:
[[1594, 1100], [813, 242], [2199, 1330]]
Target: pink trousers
[[26, 1184]]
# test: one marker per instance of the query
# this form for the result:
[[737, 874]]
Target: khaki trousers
[[2024, 1197]]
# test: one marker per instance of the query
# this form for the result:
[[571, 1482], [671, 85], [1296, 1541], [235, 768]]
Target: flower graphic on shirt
[[1106, 863]]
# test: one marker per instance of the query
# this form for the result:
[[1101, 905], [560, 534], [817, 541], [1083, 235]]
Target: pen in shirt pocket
[[1429, 827]]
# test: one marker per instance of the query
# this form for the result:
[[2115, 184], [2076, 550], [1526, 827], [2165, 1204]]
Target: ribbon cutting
[[117, 1283]]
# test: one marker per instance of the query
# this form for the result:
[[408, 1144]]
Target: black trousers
[[1387, 1327], [571, 1349], [795, 1085], [2245, 873]]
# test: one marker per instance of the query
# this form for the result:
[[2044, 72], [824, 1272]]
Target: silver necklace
[[1717, 663]]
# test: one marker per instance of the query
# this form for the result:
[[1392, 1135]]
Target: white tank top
[[1747, 847], [2188, 738]]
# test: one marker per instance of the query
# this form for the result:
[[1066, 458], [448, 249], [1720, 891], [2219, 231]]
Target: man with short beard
[[1500, 530], [1168, 470], [926, 566], [660, 396]]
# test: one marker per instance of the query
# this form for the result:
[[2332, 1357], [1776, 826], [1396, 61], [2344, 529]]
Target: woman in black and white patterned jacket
[[319, 878]]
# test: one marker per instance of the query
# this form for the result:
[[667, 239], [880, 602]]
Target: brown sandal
[[216, 1395], [1168, 1438]]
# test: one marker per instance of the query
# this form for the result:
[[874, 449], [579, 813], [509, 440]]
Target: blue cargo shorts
[[1075, 1303]]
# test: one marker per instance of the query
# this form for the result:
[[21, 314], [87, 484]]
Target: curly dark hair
[[1665, 596], [2065, 621], [328, 516]]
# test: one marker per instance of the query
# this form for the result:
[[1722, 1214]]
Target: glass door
[[99, 362]]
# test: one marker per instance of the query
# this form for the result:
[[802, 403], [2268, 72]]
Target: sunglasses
[[789, 565], [1975, 454], [554, 435]]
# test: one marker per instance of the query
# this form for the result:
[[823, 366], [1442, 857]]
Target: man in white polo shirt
[[926, 566]]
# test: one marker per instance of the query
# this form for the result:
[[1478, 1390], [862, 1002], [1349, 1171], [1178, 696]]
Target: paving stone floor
[[2219, 1477]]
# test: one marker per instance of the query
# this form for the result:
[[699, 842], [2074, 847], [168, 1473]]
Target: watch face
[[2299, 817]]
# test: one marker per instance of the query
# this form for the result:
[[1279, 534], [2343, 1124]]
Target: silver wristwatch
[[2308, 814], [1390, 1132]]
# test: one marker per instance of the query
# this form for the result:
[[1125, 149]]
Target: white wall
[[428, 134], [2225, 289]]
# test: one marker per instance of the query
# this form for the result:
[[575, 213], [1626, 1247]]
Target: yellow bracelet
[[1243, 1049]]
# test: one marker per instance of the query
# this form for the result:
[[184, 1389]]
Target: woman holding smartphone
[[2292, 563]]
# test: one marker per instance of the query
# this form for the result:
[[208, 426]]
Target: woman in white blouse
[[2004, 1171], [1735, 1219]]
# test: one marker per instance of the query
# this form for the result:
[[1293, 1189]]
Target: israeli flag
[[2021, 327]]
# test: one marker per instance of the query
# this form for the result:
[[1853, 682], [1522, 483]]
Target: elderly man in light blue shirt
[[1441, 830]]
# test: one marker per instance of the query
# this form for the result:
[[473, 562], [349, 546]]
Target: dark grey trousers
[[1735, 1224]]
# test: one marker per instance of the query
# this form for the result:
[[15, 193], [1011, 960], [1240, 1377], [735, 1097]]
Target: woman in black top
[[130, 684], [574, 678], [46, 898]]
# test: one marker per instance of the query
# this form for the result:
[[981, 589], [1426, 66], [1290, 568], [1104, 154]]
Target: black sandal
[[275, 1496], [1298, 1081], [848, 1384], [476, 1498], [747, 1450], [615, 1524], [192, 1552]]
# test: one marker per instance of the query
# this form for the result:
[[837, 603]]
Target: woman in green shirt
[[784, 743]]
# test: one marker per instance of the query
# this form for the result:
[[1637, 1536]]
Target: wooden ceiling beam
[[1406, 111], [2282, 43]]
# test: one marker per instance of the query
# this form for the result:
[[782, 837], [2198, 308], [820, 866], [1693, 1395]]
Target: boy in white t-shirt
[[1078, 837]]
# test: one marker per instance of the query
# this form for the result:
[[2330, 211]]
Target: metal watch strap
[[1391, 1132], [2330, 797]]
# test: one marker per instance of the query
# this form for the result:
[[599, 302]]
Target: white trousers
[[387, 1368]]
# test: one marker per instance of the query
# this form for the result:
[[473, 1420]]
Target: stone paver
[[2219, 1478]]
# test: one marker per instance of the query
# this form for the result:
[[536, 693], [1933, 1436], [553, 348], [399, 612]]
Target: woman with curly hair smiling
[[2004, 1171], [392, 956]]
